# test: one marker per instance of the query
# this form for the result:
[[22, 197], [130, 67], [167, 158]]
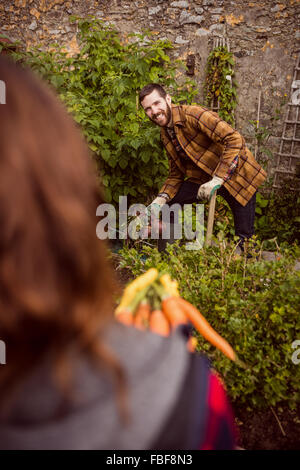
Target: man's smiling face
[[157, 108]]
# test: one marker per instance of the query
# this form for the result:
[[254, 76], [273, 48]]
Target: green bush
[[277, 220], [99, 86], [277, 215], [252, 303]]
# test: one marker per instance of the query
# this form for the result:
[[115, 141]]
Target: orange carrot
[[125, 316], [202, 325], [173, 311], [158, 323], [142, 314]]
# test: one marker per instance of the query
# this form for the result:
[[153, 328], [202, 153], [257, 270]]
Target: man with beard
[[205, 154]]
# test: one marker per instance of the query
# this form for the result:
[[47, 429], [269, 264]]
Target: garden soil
[[260, 430]]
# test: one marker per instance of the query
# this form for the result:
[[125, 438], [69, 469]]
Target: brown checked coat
[[211, 144]]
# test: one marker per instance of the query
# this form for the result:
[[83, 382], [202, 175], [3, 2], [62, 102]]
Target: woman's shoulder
[[154, 368], [139, 349]]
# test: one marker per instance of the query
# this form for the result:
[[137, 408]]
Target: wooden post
[[211, 218]]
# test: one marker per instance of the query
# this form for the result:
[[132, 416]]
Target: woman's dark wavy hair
[[56, 285]]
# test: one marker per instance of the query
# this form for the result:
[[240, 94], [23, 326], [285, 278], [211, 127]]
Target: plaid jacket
[[211, 144]]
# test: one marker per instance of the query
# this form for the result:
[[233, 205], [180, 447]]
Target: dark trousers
[[243, 216]]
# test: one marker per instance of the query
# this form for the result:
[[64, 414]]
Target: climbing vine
[[219, 85]]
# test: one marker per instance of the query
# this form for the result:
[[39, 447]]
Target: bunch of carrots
[[152, 301]]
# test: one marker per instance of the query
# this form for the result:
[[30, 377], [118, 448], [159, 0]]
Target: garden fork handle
[[211, 218]]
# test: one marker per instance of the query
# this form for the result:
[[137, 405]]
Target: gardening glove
[[161, 200], [156, 205], [206, 190]]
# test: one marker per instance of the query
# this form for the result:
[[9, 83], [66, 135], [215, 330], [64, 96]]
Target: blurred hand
[[159, 200], [155, 206]]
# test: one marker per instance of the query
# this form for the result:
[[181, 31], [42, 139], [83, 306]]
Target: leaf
[[263, 203], [134, 127], [262, 220], [105, 154], [93, 147], [108, 195], [135, 143], [123, 163], [145, 156]]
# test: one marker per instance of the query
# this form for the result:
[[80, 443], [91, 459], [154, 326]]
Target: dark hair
[[57, 287], [149, 88]]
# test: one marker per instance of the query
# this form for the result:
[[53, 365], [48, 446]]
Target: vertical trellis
[[289, 151], [218, 41]]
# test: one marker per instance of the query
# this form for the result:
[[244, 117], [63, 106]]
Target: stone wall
[[263, 37]]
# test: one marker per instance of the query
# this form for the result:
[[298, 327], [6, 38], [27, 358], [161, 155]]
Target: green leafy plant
[[100, 86], [252, 303], [277, 216], [276, 222], [219, 85]]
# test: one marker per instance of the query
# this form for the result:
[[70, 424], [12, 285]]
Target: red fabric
[[221, 432]]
